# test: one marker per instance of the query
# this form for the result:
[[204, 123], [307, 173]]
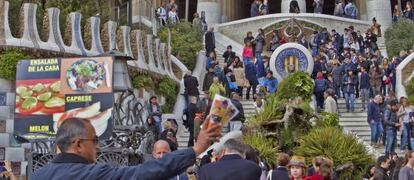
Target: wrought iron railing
[[130, 139]]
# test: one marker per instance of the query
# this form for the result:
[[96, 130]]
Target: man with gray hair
[[78, 143], [232, 165]]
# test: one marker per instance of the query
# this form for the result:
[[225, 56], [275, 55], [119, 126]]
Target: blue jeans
[[365, 97], [314, 51], [260, 70], [390, 142], [350, 101], [405, 136], [376, 130], [337, 90]]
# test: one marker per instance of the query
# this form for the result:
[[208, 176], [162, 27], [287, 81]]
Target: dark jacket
[[390, 119], [321, 85], [280, 173], [229, 56], [191, 112], [210, 42], [151, 111], [374, 112], [71, 166], [208, 80], [381, 174], [240, 116], [191, 85], [230, 167], [337, 75], [250, 71], [364, 81], [350, 87]]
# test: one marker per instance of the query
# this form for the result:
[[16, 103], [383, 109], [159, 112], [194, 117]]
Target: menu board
[[49, 91]]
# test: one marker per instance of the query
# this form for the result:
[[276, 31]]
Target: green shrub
[[410, 91], [328, 120], [8, 63], [185, 42], [165, 87], [265, 146], [169, 89], [399, 37], [143, 81], [298, 84], [341, 148]]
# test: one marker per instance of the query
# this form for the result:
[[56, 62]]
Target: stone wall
[[94, 42]]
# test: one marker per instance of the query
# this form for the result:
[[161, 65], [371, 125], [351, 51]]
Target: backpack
[[320, 85], [351, 10]]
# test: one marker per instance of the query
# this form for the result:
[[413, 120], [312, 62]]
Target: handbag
[[386, 80], [232, 85], [246, 83]]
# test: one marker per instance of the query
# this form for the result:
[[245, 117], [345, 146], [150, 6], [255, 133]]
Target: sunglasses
[[95, 140]]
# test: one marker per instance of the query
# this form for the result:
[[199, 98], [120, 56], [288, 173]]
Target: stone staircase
[[357, 123], [248, 107]]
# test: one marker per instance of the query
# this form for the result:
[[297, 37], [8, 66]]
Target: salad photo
[[86, 75]]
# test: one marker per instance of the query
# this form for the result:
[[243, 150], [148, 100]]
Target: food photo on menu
[[40, 97]]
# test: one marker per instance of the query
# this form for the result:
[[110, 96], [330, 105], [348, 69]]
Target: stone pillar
[[187, 9], [286, 3], [381, 10], [362, 9], [212, 9]]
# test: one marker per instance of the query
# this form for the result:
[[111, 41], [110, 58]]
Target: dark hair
[[393, 103], [69, 130], [369, 169], [283, 159], [251, 154], [152, 97], [269, 72], [229, 47], [381, 159], [399, 163]]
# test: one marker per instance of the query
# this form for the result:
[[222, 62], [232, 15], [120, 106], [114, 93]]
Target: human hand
[[207, 136], [7, 165]]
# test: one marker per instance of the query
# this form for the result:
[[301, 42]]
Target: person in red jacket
[[323, 169]]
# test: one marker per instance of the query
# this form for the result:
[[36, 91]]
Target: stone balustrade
[[150, 54], [236, 30]]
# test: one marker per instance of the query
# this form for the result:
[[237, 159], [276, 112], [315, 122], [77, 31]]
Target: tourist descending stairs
[[248, 107], [357, 123]]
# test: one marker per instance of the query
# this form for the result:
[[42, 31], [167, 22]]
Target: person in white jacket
[[173, 16]]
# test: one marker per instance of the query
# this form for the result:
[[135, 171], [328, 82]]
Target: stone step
[[353, 124], [354, 114], [357, 110], [352, 119], [358, 129]]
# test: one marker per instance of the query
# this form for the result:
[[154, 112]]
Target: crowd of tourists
[[78, 145], [343, 8]]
